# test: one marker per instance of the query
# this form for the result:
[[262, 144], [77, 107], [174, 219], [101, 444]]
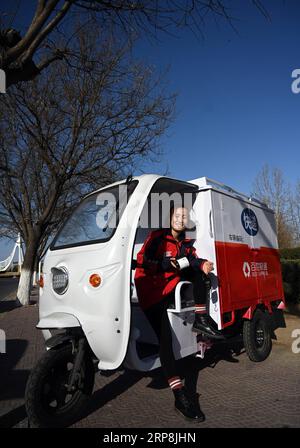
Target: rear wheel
[[47, 399], [257, 336]]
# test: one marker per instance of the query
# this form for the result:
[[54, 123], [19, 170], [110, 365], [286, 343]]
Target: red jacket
[[154, 276]]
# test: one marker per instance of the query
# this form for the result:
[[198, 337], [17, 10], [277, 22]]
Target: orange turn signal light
[[95, 280], [41, 282]]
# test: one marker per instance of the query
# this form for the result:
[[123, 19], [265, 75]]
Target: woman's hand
[[207, 267]]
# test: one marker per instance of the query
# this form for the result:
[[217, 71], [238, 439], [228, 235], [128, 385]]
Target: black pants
[[201, 284], [158, 317]]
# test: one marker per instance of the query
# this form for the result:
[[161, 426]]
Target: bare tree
[[270, 187], [21, 56], [75, 128], [294, 212]]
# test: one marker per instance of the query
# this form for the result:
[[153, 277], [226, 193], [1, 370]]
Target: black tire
[[47, 402], [257, 336]]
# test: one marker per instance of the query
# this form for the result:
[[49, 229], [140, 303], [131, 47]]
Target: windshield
[[96, 218]]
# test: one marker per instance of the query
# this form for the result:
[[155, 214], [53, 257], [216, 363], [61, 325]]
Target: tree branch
[[47, 30], [36, 25]]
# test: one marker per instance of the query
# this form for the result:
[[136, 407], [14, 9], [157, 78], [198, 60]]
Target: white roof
[[205, 182]]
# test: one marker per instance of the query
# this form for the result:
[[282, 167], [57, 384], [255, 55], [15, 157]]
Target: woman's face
[[179, 219]]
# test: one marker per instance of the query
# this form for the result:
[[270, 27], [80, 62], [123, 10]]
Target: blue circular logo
[[249, 221]]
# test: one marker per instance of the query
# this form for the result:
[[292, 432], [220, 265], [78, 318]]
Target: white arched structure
[[5, 264]]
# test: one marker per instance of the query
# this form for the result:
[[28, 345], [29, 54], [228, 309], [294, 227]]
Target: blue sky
[[235, 110], [235, 107]]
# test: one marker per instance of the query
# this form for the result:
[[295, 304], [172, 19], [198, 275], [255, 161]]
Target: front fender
[[58, 320]]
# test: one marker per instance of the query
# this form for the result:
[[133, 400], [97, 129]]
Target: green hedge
[[291, 279], [290, 254]]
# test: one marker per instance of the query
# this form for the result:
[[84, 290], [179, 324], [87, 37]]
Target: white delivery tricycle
[[89, 309]]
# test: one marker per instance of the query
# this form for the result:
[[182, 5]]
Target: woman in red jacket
[[167, 257]]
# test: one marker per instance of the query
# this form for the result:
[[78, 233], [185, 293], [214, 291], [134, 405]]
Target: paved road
[[8, 287], [233, 392]]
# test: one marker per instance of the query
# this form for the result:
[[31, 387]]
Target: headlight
[[60, 280]]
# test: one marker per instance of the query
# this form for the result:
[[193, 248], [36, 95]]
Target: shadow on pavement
[[293, 309], [15, 349], [9, 305], [12, 418], [13, 382], [188, 368], [191, 366], [112, 390]]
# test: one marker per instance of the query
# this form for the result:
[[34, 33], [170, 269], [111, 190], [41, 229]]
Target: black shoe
[[195, 400], [201, 325], [187, 407]]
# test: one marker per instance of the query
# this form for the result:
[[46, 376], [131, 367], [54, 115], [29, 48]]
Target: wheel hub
[[259, 337]]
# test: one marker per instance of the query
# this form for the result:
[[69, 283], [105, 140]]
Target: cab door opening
[[155, 215]]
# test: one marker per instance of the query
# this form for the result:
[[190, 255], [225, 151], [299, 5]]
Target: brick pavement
[[232, 394]]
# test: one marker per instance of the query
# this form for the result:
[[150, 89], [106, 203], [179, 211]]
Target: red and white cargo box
[[238, 234]]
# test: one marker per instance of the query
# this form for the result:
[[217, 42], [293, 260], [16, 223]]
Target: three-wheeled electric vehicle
[[89, 309]]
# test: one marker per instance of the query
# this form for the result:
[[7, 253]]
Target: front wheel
[[47, 399], [257, 336]]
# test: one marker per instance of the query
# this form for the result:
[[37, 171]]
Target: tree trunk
[[35, 277], [24, 288]]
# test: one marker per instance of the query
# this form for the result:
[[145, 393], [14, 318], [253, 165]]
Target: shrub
[[291, 280], [290, 254]]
